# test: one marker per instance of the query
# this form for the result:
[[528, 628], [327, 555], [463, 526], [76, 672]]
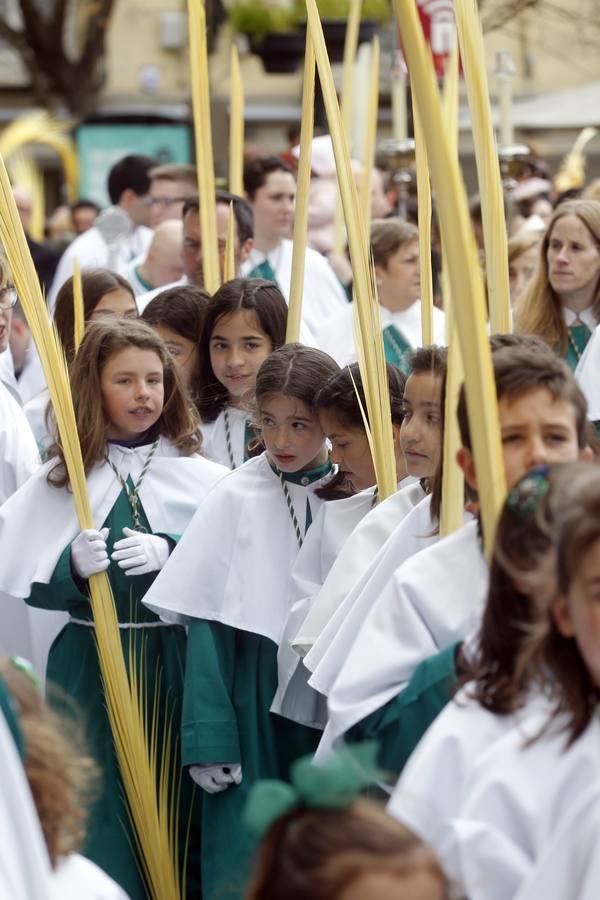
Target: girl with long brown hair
[[229, 580], [562, 303], [139, 444]]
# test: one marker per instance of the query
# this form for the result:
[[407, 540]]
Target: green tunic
[[73, 669], [230, 682], [401, 723]]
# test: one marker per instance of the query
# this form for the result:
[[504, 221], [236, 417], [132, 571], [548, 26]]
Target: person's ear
[[562, 616], [464, 458], [246, 249], [586, 454], [396, 434], [379, 270]]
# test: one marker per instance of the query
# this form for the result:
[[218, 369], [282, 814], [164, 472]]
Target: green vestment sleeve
[[209, 731], [401, 723], [62, 591]]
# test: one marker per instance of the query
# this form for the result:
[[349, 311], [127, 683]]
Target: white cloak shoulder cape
[[587, 375], [19, 457], [425, 606], [76, 877], [514, 798], [352, 560], [24, 863], [432, 786], [568, 867], [234, 562], [325, 660], [214, 441], [336, 335], [39, 521], [335, 521]]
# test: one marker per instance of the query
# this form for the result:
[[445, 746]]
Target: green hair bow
[[333, 785]]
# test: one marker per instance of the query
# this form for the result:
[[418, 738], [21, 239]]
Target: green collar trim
[[142, 280], [306, 476]]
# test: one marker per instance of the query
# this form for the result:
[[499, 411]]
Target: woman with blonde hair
[[562, 303]]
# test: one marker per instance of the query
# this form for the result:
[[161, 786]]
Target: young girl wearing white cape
[[244, 321], [229, 579], [520, 742], [338, 405], [139, 440]]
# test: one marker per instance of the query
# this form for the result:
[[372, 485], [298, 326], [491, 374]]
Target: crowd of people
[[354, 706]]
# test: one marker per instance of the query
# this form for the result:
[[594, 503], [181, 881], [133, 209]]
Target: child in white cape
[[229, 580]]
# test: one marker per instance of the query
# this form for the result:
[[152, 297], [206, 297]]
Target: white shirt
[[143, 299], [336, 336], [92, 250], [425, 607], [323, 294]]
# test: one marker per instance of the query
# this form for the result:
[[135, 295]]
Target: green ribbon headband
[[333, 785]]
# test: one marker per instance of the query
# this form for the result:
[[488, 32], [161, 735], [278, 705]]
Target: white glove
[[88, 552], [216, 778], [139, 553]]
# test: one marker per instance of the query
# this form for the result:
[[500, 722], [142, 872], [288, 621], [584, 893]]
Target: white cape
[[514, 799], [214, 441], [568, 867], [425, 606], [432, 786], [336, 335], [322, 295], [587, 375], [233, 563], [39, 521], [354, 557], [335, 521], [330, 651], [24, 863], [76, 877], [19, 457]]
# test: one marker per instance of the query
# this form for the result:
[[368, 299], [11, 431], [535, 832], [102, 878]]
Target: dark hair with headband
[[256, 295]]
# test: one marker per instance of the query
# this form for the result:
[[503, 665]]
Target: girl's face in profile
[[349, 450], [578, 614], [291, 433]]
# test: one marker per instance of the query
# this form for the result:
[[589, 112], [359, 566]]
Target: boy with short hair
[[435, 599]]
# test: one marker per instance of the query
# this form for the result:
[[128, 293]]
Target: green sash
[[396, 348], [579, 335]]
